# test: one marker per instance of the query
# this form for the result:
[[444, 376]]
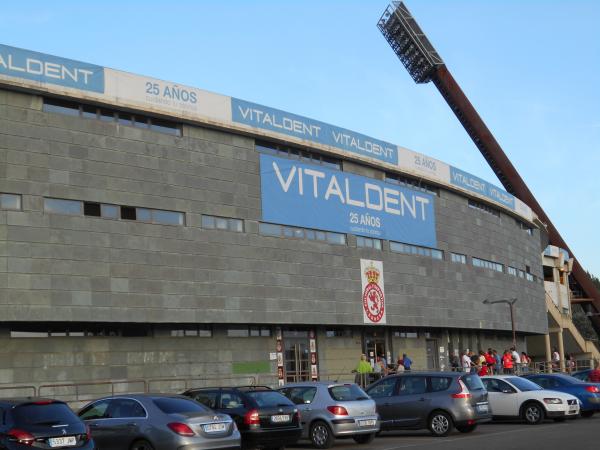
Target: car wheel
[[533, 413], [440, 423], [320, 435], [364, 438], [141, 445], [466, 428], [587, 414]]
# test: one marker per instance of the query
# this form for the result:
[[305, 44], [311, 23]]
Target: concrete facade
[[79, 269]]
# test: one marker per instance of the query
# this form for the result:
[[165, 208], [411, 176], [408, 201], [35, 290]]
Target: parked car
[[332, 410], [587, 393], [583, 375], [37, 422], [513, 397], [148, 421], [438, 401], [265, 418]]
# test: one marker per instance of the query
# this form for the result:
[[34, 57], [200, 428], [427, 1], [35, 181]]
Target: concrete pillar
[[548, 352], [561, 349]]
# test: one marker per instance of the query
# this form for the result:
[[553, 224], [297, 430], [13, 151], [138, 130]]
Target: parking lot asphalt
[[580, 434]]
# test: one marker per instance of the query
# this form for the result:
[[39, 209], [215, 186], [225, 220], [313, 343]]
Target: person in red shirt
[[490, 361], [507, 363], [595, 374]]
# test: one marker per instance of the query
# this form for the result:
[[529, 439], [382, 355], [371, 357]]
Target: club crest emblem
[[373, 298]]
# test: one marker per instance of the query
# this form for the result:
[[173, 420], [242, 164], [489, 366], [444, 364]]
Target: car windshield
[[269, 398], [174, 405], [524, 385], [44, 414], [347, 392], [473, 382]]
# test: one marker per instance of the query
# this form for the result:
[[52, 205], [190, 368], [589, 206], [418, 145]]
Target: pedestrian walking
[[498, 358], [466, 361], [595, 374], [362, 371], [525, 362], [407, 362]]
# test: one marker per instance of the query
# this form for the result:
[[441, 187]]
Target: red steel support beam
[[505, 171]]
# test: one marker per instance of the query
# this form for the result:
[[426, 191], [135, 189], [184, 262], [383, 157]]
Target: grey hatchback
[[329, 410], [147, 422], [438, 401]]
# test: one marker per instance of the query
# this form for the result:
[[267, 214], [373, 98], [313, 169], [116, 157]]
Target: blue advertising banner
[[19, 63], [311, 196], [279, 121], [475, 184]]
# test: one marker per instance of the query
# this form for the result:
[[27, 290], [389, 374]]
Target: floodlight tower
[[424, 64]]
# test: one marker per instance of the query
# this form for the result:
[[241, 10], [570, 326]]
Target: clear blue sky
[[531, 68]]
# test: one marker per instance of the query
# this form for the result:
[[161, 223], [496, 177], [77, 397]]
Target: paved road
[[581, 434]]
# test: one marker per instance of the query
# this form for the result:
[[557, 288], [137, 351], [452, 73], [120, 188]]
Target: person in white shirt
[[466, 361]]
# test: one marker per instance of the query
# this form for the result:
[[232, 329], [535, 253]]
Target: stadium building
[[151, 230]]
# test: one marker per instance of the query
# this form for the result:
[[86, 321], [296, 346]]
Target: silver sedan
[[148, 422], [330, 410]]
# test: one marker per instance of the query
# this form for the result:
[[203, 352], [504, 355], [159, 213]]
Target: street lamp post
[[511, 303]]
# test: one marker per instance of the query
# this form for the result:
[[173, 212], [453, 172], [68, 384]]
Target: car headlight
[[553, 401]]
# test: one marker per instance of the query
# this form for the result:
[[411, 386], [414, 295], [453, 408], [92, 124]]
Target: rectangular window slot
[[92, 209]]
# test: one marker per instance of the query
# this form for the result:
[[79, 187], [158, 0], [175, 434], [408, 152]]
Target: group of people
[[492, 362], [380, 365]]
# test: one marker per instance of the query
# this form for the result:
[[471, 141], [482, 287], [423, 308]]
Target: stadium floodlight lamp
[[409, 42]]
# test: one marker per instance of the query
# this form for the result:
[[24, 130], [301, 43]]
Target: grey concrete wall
[[64, 268]]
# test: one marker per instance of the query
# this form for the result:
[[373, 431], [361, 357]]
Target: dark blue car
[[587, 393]]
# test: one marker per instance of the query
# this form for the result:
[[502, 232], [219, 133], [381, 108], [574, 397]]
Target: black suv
[[41, 423], [265, 418]]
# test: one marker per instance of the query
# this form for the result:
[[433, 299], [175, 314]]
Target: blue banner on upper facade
[[475, 184], [311, 196], [300, 127], [19, 63]]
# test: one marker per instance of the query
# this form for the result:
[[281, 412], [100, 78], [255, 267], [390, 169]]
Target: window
[[108, 115], [383, 389], [416, 250], [458, 258], [155, 216], [368, 242], [347, 393], [496, 385], [260, 331], [95, 411], [238, 332], [491, 265], [406, 334], [192, 331], [176, 405], [58, 206], [413, 385], [231, 400], [339, 332], [222, 223], [268, 398], [125, 408], [41, 413], [271, 229], [548, 273], [300, 395], [523, 226], [128, 213], [512, 271], [10, 201], [483, 207], [109, 211], [303, 155], [207, 398], [411, 183], [521, 273], [92, 209], [439, 383]]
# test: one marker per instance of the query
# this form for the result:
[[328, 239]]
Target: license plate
[[214, 427], [367, 423], [62, 441], [482, 408], [280, 418]]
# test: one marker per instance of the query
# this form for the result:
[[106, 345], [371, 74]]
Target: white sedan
[[510, 396]]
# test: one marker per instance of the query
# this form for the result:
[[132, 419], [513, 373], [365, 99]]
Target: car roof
[[238, 388], [318, 383], [431, 373], [15, 401], [499, 376]]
